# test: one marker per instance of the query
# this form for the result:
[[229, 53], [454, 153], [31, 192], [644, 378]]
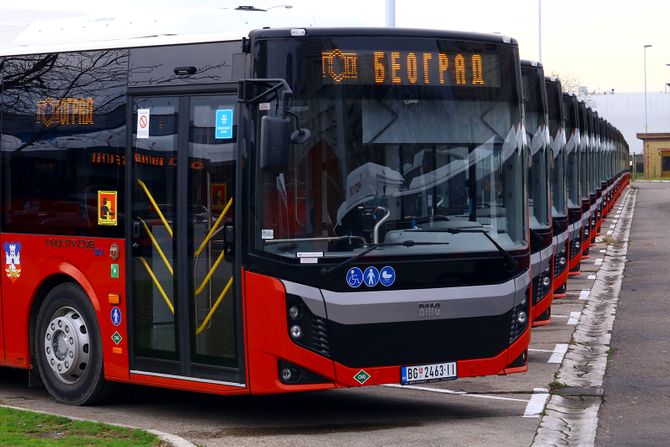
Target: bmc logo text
[[429, 310]]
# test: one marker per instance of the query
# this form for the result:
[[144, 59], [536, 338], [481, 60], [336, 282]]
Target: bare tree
[[572, 84]]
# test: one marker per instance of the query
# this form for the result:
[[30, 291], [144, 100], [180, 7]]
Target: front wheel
[[68, 346]]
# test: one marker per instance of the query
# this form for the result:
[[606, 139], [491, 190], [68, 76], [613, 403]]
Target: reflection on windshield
[[389, 171]]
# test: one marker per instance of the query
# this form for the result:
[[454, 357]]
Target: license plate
[[427, 373]]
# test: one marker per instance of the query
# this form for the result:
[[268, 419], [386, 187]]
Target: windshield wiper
[[506, 255], [327, 271]]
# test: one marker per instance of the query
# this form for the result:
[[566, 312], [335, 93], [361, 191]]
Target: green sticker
[[362, 377], [115, 270], [116, 338]]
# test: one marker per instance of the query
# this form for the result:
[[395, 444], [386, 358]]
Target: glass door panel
[[211, 180], [154, 226]]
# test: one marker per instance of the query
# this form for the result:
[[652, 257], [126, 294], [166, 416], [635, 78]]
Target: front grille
[[319, 340], [558, 268], [314, 329], [518, 327], [540, 290], [574, 251]]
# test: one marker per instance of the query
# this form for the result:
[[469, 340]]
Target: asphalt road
[[636, 407], [489, 411]]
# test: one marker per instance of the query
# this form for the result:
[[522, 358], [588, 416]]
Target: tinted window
[[63, 143]]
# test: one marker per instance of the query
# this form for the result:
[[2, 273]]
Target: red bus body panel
[[82, 260]]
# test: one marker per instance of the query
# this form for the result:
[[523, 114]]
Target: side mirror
[[275, 141]]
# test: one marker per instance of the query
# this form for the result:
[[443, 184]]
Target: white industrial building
[[626, 112]]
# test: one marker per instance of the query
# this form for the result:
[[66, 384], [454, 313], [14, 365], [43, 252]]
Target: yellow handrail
[[158, 248], [209, 275], [213, 309], [214, 228], [155, 205], [158, 284]]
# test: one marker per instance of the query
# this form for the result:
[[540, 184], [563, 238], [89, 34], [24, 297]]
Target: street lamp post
[[390, 13], [667, 84], [539, 28], [645, 87]]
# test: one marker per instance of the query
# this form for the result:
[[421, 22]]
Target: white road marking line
[[559, 353], [612, 226], [598, 261], [592, 277], [574, 318], [584, 294], [603, 251], [559, 316], [453, 393], [540, 350], [610, 232], [537, 402]]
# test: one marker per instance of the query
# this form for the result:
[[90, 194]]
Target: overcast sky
[[598, 42]]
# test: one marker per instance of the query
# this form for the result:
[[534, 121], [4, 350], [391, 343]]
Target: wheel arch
[[67, 274]]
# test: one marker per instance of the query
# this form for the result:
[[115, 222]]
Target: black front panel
[[540, 239], [560, 225], [574, 215], [411, 273], [419, 342]]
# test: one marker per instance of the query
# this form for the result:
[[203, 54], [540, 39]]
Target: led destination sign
[[369, 67]]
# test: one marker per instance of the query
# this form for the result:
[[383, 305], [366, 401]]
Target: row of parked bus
[[576, 172], [286, 209]]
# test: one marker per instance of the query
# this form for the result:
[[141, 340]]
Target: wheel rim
[[67, 345]]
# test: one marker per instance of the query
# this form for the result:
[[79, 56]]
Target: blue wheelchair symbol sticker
[[115, 316], [387, 276], [371, 276], [354, 277]]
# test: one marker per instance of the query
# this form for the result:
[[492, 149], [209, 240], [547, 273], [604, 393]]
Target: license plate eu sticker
[[427, 373]]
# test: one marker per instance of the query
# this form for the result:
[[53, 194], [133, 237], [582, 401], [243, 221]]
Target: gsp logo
[[429, 310]]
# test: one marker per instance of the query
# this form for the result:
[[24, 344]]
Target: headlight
[[296, 331], [522, 318]]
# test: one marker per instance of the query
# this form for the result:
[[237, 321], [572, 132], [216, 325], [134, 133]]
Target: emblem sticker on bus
[[13, 260], [107, 208]]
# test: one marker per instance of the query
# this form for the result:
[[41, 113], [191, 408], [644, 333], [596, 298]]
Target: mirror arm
[[284, 98]]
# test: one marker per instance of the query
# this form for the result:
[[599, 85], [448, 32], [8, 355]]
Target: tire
[[68, 347]]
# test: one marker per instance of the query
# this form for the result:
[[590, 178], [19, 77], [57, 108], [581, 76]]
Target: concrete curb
[[168, 438], [571, 414]]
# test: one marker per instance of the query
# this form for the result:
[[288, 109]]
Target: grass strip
[[25, 428]]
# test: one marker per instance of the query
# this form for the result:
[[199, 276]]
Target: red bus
[[299, 209], [536, 121], [559, 186]]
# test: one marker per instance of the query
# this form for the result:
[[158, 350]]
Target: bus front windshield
[[415, 144], [559, 188], [573, 142], [535, 107]]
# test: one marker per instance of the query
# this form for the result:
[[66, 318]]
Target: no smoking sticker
[[143, 118]]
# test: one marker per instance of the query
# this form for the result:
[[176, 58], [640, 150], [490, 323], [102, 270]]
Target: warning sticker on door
[[143, 116]]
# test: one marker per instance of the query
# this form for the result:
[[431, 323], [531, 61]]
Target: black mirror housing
[[275, 142]]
